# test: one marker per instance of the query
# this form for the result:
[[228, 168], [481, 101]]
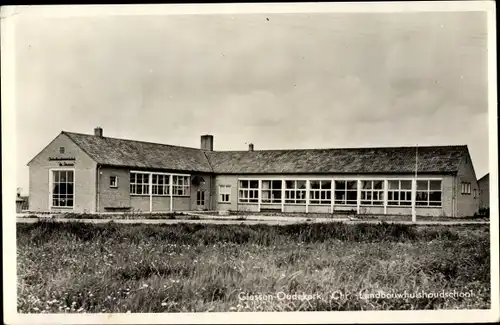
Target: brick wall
[[484, 192], [467, 204], [84, 177]]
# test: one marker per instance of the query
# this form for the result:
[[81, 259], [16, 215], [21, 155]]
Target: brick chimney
[[207, 142], [98, 131], [250, 147]]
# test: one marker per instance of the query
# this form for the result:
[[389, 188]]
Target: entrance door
[[200, 199]]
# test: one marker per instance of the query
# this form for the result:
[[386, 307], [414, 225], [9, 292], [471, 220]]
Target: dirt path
[[249, 220]]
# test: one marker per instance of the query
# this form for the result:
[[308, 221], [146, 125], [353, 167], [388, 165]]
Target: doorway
[[200, 199]]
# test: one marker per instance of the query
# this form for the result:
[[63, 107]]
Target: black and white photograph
[[239, 162]]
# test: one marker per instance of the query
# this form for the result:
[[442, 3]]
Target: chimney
[[207, 142], [250, 147], [98, 131]]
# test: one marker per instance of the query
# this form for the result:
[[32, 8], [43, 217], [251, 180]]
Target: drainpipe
[[98, 183]]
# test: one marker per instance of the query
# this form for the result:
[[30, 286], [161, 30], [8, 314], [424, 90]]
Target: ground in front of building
[[221, 268]]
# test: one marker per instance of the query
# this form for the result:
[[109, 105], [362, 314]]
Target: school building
[[94, 173]]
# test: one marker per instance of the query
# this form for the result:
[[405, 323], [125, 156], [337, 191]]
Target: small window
[[475, 193], [225, 193], [61, 149], [466, 188], [113, 181]]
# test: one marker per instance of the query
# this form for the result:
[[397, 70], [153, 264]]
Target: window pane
[[326, 184], [266, 185], [393, 185], [314, 184], [290, 184], [378, 185], [254, 184], [406, 185], [301, 184], [56, 176], [276, 184], [132, 177], [435, 196], [340, 185], [422, 196], [352, 195], [70, 176], [435, 185], [352, 185], [422, 185], [244, 184], [366, 184]]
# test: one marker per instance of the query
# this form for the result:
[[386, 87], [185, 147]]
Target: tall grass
[[76, 267]]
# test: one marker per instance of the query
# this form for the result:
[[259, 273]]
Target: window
[[139, 183], [62, 188], [346, 192], [161, 184], [372, 192], [113, 181], [428, 193], [320, 192], [224, 193], [249, 191], [295, 192], [180, 185], [399, 192], [200, 197], [61, 149], [271, 192], [465, 188], [475, 193]]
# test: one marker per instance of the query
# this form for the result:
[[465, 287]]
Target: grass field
[[73, 267]]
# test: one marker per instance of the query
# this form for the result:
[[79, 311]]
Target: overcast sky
[[277, 80]]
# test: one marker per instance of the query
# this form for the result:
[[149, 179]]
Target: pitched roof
[[437, 159], [139, 154], [484, 178]]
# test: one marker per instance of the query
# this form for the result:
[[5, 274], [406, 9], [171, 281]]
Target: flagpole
[[414, 210]]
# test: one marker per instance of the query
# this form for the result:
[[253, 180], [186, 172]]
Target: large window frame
[[248, 191], [320, 192], [139, 183], [60, 198], [346, 192], [427, 192], [270, 191], [399, 192], [372, 192], [160, 184], [295, 191], [181, 185]]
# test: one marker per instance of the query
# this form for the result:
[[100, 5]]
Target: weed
[[78, 267]]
